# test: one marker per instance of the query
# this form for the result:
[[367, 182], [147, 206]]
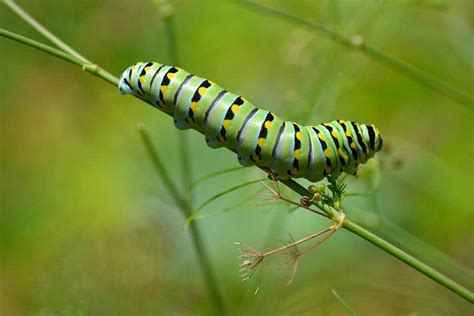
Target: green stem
[[350, 226], [42, 47], [409, 260], [357, 42], [43, 31], [88, 67], [183, 143], [186, 209], [343, 303]]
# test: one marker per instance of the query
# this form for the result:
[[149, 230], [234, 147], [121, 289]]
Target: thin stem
[[183, 143], [212, 175], [357, 42], [303, 206], [77, 59], [163, 172], [272, 252], [319, 242], [346, 306], [409, 260], [185, 208], [171, 39], [40, 46], [44, 31], [90, 68]]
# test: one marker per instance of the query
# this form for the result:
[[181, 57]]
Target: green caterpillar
[[259, 137]]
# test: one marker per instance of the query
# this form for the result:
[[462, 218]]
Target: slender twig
[[357, 42], [346, 306], [293, 244], [43, 31], [212, 175], [96, 70], [185, 207], [348, 225], [163, 172], [88, 67], [409, 260], [183, 143], [42, 47]]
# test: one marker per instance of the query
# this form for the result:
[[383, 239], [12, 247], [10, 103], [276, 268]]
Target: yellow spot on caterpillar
[[234, 108], [170, 75], [321, 137], [342, 154], [255, 157], [298, 135], [268, 124], [142, 78], [194, 105], [147, 68], [297, 153], [164, 89], [226, 123], [202, 90], [334, 134], [353, 145], [261, 141], [341, 121], [348, 133], [327, 153]]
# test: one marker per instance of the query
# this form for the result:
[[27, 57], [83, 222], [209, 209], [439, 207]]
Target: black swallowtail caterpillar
[[259, 137]]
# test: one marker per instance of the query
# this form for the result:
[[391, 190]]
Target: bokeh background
[[87, 227]]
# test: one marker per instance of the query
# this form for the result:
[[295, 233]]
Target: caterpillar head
[[372, 137], [126, 80]]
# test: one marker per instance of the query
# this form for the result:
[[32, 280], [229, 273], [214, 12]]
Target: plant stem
[[44, 31], [183, 143], [294, 186], [346, 306], [186, 209], [394, 251], [409, 260], [88, 67], [357, 42]]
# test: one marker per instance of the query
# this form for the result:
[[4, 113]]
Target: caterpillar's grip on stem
[[259, 137]]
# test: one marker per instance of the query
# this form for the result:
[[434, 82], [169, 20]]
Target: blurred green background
[[88, 229]]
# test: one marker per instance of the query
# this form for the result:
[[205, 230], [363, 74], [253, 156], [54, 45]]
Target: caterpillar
[[259, 137]]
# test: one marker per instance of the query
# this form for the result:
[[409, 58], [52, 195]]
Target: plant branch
[[357, 42], [88, 67], [167, 14], [409, 260], [186, 209], [43, 31], [70, 55], [294, 186]]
